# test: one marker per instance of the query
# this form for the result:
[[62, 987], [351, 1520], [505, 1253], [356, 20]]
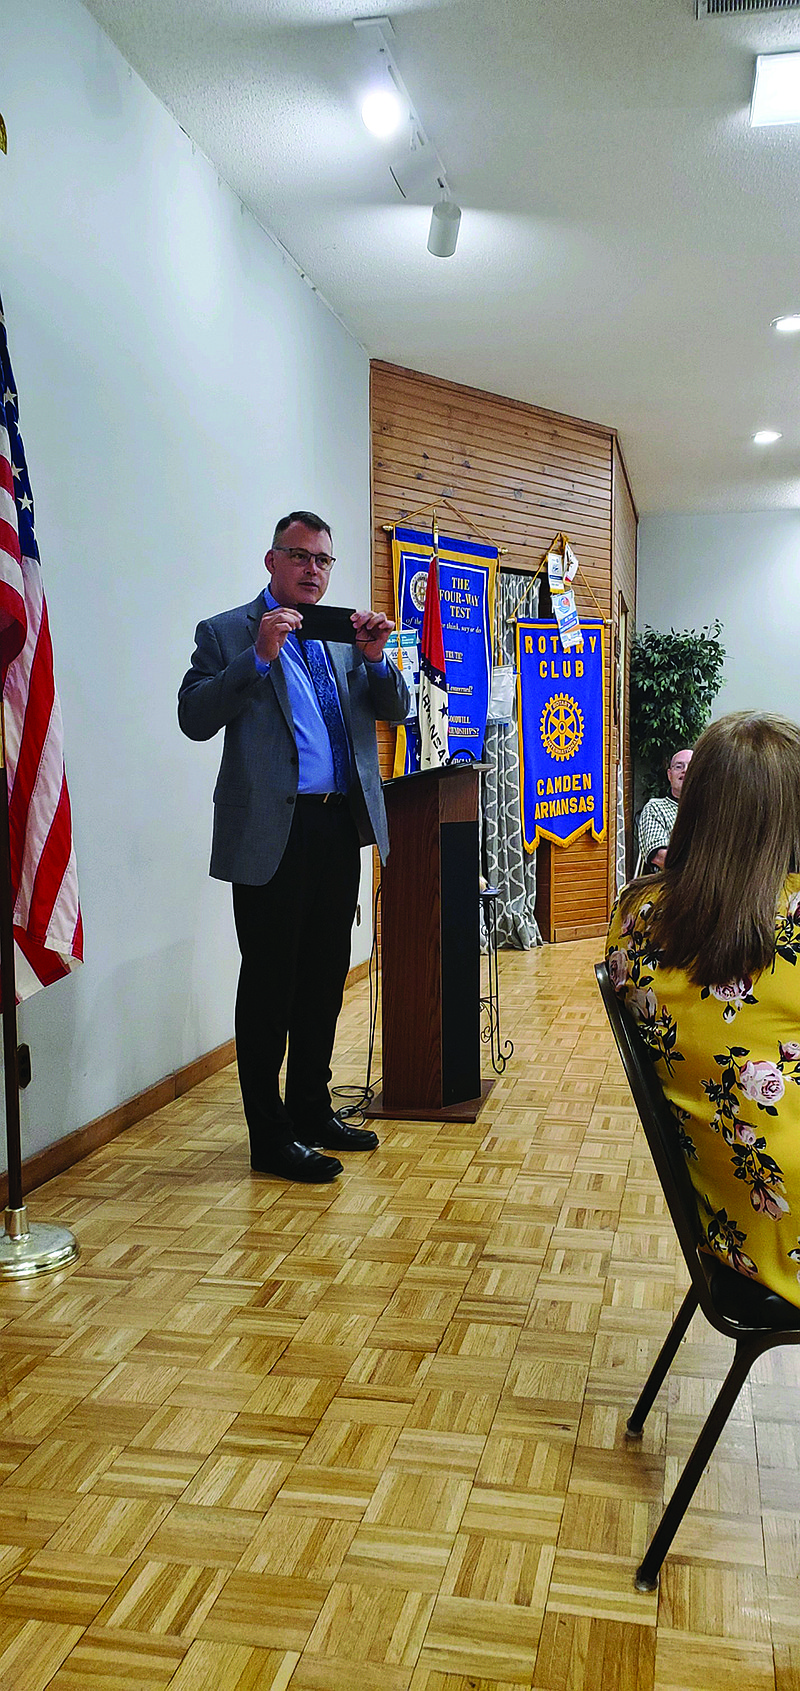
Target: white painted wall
[[180, 387], [745, 569]]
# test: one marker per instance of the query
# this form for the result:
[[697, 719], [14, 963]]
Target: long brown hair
[[735, 840]]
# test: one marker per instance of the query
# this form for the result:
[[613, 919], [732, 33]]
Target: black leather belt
[[322, 798]]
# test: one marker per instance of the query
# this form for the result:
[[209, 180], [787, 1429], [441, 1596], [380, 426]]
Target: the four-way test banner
[[561, 731], [467, 570]]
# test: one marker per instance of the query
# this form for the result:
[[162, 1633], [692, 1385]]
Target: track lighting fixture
[[443, 234], [415, 167]]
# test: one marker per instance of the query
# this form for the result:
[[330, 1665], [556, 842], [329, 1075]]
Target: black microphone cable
[[359, 1096]]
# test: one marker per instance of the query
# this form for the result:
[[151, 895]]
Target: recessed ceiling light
[[766, 437], [786, 325], [381, 111], [776, 89]]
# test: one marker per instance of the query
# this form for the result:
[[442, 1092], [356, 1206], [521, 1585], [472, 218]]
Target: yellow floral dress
[[728, 1059]]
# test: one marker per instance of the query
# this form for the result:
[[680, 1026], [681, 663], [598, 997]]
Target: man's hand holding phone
[[368, 630], [273, 630], [372, 630]]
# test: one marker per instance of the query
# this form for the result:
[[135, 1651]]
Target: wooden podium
[[430, 948]]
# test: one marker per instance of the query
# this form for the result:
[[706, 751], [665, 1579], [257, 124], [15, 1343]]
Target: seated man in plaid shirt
[[658, 817]]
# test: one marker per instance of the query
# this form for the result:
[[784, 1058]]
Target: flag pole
[[8, 987], [25, 1249]]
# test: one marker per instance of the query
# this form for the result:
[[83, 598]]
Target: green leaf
[[674, 679]]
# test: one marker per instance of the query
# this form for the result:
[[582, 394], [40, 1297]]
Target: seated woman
[[658, 816], [706, 957]]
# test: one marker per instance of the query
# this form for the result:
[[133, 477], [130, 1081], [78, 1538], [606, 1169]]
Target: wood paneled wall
[[519, 474]]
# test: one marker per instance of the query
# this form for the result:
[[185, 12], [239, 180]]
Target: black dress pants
[[294, 937]]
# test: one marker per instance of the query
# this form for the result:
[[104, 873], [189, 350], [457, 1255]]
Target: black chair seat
[[744, 1310], [747, 1302]]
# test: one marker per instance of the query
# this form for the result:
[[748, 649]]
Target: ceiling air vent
[[727, 8]]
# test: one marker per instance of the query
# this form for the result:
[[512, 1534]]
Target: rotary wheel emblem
[[561, 727], [418, 589]]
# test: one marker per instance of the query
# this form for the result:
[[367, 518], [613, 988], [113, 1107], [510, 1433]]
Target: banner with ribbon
[[467, 573], [433, 736], [561, 700]]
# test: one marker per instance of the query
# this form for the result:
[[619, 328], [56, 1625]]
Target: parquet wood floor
[[371, 1435]]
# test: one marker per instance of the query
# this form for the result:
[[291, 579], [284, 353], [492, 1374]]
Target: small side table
[[500, 1049]]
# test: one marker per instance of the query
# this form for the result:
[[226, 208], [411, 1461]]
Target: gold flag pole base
[[34, 1248]]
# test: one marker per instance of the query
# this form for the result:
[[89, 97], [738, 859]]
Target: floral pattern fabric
[[728, 1059]]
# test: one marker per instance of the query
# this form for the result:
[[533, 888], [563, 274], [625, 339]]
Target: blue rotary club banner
[[561, 733], [467, 571]]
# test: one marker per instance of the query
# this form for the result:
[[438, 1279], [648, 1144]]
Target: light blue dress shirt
[[315, 758]]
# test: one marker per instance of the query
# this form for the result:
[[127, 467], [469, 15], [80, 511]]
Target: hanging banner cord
[[431, 509]]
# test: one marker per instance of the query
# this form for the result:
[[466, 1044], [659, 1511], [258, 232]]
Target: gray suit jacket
[[257, 784]]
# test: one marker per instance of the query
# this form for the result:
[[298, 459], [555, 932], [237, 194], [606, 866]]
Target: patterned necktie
[[331, 714]]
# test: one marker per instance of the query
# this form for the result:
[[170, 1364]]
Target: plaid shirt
[[655, 826]]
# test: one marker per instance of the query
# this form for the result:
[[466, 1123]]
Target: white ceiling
[[626, 236]]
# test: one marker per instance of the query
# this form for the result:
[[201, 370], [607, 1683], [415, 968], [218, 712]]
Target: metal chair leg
[[648, 1571], [661, 1366]]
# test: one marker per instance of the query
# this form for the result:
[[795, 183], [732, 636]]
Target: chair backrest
[[656, 1116], [730, 1302], [660, 1131]]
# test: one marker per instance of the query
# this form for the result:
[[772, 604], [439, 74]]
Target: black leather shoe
[[337, 1135], [297, 1162]]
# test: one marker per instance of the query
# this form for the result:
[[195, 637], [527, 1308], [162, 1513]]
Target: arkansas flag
[[48, 933], [433, 750]]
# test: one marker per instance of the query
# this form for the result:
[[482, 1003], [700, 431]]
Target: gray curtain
[[508, 866], [620, 840]]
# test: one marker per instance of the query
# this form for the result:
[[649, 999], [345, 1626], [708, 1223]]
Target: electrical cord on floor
[[359, 1096]]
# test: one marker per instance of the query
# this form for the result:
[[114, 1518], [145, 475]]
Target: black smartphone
[[327, 622]]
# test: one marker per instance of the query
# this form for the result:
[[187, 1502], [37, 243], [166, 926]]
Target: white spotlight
[[766, 437], [382, 112], [776, 90], [786, 325], [443, 235]]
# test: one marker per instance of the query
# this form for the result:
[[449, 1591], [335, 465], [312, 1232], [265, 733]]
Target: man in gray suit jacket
[[298, 793]]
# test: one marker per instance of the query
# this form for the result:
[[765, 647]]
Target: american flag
[[48, 932], [433, 745]]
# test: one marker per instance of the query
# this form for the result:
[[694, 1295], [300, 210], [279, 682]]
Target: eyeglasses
[[299, 556], [679, 767]]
